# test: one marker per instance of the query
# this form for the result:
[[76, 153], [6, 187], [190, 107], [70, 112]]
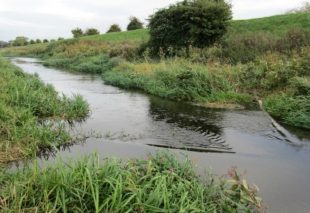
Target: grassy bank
[[158, 184], [26, 104]]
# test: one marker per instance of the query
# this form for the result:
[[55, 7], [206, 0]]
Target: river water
[[132, 124]]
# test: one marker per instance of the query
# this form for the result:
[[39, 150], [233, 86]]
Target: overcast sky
[[55, 18]]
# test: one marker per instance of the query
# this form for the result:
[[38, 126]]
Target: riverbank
[[29, 114], [248, 64]]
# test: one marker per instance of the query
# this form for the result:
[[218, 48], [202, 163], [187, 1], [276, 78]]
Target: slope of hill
[[274, 24]]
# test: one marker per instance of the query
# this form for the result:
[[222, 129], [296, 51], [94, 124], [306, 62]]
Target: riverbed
[[127, 124]]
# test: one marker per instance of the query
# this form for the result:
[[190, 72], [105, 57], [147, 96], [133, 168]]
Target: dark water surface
[[219, 139]]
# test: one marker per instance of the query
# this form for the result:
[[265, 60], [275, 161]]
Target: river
[[132, 124]]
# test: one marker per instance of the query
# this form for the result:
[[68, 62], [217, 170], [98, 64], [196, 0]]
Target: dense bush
[[91, 31], [301, 85], [134, 24], [114, 28], [197, 23], [20, 41], [77, 32], [292, 110]]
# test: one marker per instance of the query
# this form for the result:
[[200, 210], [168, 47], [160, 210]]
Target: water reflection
[[201, 125]]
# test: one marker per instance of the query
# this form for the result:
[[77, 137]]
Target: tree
[[305, 8], [114, 28], [45, 41], [196, 23], [60, 39], [91, 31], [20, 41], [77, 32], [38, 41], [134, 24], [32, 41]]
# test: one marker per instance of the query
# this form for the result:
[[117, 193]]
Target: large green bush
[[77, 32], [197, 23]]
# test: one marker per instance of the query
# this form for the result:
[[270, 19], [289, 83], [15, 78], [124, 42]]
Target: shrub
[[91, 31], [134, 24], [301, 85], [77, 32], [303, 9], [114, 28], [197, 23], [20, 41], [291, 110]]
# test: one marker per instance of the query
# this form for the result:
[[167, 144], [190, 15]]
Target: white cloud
[[51, 19]]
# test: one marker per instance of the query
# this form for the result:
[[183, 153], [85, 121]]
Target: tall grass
[[178, 80], [292, 110], [32, 50], [158, 184], [25, 104]]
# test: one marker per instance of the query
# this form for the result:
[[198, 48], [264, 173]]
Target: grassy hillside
[[134, 35], [274, 24]]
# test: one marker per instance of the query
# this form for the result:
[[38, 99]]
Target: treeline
[[24, 41], [134, 24]]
